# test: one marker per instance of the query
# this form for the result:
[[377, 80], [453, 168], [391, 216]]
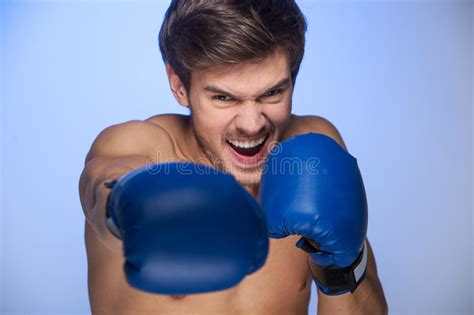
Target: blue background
[[395, 77]]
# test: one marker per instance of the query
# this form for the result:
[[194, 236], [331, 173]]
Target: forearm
[[94, 193], [368, 298]]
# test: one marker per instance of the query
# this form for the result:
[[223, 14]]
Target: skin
[[236, 103]]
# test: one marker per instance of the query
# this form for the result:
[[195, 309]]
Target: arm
[[117, 150], [369, 297]]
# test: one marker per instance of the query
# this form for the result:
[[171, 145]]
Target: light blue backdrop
[[396, 78]]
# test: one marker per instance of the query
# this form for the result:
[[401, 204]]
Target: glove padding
[[186, 228], [312, 187]]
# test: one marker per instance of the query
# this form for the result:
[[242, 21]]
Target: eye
[[222, 98], [273, 93]]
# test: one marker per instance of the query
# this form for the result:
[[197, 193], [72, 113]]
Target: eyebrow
[[214, 89]]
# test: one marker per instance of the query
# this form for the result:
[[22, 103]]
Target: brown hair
[[200, 34]]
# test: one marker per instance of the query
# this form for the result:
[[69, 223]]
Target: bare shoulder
[[312, 123], [130, 138], [173, 123]]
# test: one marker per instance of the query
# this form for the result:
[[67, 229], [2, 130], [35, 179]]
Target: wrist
[[110, 221], [332, 280]]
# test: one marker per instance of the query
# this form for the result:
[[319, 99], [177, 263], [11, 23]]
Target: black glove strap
[[333, 280], [109, 221]]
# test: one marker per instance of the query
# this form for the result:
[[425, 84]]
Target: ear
[[177, 87]]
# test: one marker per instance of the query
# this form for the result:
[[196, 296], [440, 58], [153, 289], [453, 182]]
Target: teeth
[[247, 144]]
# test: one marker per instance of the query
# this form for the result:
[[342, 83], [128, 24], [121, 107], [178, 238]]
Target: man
[[233, 64]]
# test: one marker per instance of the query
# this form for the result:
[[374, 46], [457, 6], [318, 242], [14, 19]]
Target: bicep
[[124, 147], [121, 148], [133, 138], [116, 151]]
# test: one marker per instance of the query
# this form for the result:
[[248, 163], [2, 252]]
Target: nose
[[250, 120]]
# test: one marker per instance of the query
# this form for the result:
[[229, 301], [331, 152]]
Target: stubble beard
[[249, 178]]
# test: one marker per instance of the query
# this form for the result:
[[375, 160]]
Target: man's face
[[239, 112]]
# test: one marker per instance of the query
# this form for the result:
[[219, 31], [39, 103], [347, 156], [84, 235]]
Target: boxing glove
[[186, 228], [312, 187]]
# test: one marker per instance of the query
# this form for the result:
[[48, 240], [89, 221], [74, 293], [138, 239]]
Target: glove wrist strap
[[109, 220], [110, 223], [334, 281]]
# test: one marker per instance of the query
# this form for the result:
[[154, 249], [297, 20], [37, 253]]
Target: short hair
[[201, 34]]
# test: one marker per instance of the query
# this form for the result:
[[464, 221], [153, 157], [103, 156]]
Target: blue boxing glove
[[186, 228], [312, 187]]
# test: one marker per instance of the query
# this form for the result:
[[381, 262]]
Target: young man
[[233, 64]]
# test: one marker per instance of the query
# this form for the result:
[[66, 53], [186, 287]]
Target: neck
[[253, 190], [193, 149]]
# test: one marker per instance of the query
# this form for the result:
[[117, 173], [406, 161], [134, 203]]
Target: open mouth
[[248, 151], [247, 148]]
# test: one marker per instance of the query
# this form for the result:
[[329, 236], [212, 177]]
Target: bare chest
[[281, 286]]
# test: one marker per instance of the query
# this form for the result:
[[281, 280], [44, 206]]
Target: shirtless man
[[233, 64]]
